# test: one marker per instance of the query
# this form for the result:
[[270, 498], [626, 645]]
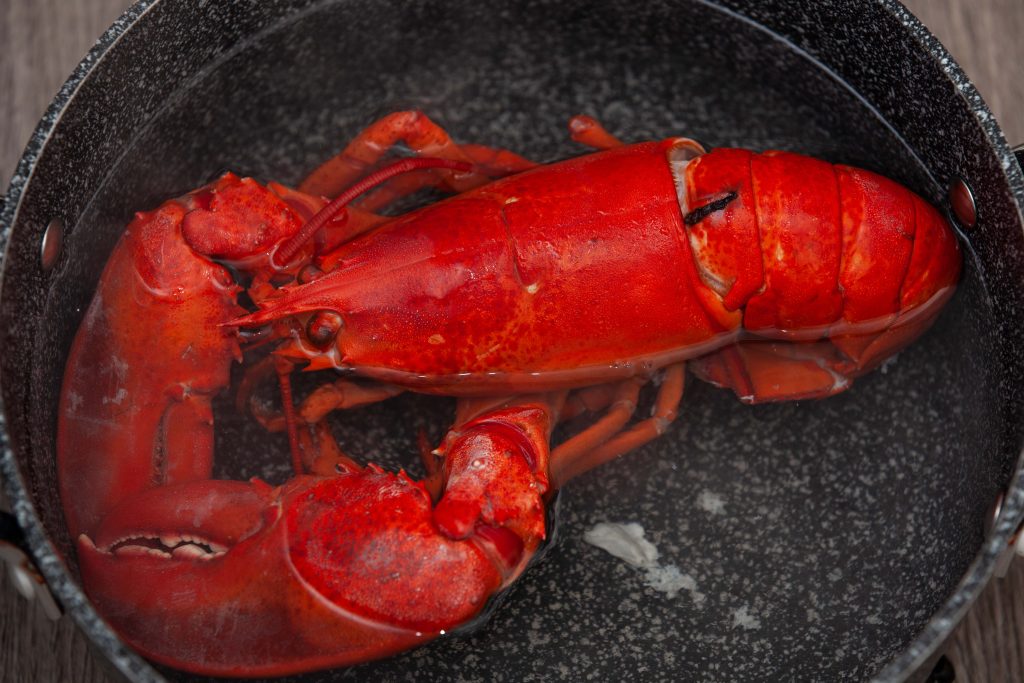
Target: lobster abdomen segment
[[797, 212], [878, 238]]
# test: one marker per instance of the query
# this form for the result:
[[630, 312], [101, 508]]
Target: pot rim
[[127, 662], [1011, 513], [135, 667]]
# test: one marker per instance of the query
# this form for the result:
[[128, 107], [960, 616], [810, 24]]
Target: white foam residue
[[709, 501], [669, 580], [624, 541], [627, 542], [742, 618]]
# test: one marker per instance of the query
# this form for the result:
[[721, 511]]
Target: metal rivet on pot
[[961, 199], [53, 242]]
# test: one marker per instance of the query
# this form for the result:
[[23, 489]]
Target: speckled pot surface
[[829, 540]]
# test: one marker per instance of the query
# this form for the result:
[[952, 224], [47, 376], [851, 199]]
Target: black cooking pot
[[835, 539]]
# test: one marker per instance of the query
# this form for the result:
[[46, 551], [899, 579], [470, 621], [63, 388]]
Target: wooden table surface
[[42, 40]]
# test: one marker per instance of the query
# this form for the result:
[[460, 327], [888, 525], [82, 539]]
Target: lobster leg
[[760, 372], [325, 571], [589, 399], [620, 409], [423, 136], [575, 460], [588, 131], [325, 456], [343, 394], [297, 422]]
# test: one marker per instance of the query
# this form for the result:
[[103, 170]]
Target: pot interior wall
[[814, 540]]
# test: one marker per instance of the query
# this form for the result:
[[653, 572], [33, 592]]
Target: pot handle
[[22, 571]]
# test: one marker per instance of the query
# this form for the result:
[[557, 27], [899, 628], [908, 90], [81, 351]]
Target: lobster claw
[[241, 579]]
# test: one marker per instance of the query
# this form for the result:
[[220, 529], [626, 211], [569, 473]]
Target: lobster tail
[[813, 253], [805, 244]]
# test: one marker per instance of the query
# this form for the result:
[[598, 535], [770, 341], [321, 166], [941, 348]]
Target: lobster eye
[[309, 273], [323, 327]]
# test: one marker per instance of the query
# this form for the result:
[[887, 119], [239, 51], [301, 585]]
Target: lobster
[[532, 295]]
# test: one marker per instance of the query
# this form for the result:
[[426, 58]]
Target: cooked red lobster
[[533, 294]]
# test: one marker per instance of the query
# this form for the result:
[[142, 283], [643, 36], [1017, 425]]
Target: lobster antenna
[[378, 177]]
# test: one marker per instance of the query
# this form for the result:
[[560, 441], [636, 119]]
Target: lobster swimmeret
[[535, 293]]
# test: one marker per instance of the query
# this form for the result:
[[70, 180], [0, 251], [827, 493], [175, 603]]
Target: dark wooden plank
[[43, 40]]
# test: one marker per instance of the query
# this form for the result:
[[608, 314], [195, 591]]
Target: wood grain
[[986, 37], [43, 40]]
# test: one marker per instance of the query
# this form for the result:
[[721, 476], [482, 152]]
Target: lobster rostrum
[[533, 294]]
